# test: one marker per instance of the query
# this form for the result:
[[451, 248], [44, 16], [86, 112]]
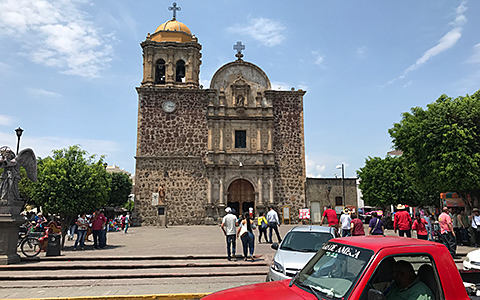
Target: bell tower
[[171, 56]]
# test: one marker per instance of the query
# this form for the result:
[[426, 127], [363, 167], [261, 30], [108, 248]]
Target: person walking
[[357, 225], [376, 225], [402, 222], [331, 216], [127, 222], [346, 221], [446, 232], [245, 231], [420, 226], [229, 224], [82, 226], [272, 219], [262, 228]]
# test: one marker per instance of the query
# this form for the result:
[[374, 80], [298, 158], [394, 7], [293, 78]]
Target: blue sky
[[69, 68]]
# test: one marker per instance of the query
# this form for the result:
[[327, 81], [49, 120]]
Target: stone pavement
[[177, 241]]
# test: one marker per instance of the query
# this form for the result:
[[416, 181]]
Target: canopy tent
[[452, 199]]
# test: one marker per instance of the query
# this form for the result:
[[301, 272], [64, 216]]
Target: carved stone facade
[[237, 144]]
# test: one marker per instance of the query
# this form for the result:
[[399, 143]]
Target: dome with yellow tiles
[[172, 31]]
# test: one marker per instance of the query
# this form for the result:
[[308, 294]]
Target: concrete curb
[[193, 296]]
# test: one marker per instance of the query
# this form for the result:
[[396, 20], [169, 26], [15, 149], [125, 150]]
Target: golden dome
[[174, 25]]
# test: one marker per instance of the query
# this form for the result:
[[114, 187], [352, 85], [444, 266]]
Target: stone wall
[[171, 152], [289, 150]]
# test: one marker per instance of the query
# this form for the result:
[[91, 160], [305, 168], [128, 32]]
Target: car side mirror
[[274, 246], [374, 294]]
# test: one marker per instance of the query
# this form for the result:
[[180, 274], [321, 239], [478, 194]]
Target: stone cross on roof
[[174, 8], [239, 47]]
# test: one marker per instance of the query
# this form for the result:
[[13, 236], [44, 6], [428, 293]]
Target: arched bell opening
[[180, 71], [160, 72], [241, 196]]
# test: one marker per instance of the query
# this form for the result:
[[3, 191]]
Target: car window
[[305, 241], [423, 266], [333, 271]]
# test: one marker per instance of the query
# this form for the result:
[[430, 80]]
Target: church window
[[240, 139], [338, 201], [160, 71], [180, 73]]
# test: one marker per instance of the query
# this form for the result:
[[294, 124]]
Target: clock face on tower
[[169, 106]]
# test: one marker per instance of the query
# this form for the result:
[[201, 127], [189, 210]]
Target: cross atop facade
[[174, 8], [239, 47]]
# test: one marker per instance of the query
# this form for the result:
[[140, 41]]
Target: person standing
[[262, 228], [98, 223], [346, 221], [82, 226], [245, 231], [428, 218], [402, 222], [273, 222], [462, 228], [476, 226], [420, 226], [446, 232], [229, 224], [376, 225], [127, 222], [357, 226]]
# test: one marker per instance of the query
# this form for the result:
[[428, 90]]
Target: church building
[[237, 143]]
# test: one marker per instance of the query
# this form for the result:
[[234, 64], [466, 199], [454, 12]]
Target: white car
[[297, 247], [472, 261]]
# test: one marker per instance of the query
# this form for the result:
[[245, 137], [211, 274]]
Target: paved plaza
[[177, 241]]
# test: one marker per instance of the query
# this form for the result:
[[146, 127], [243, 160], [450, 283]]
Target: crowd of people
[[246, 227], [452, 226], [84, 226]]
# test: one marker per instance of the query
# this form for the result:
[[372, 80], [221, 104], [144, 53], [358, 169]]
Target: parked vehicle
[[297, 247], [472, 261], [362, 268]]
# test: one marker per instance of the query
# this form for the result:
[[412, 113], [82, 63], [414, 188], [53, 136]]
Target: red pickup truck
[[362, 267]]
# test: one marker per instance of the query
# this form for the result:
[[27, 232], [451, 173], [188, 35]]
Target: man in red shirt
[[98, 223], [446, 232], [402, 221], [331, 217]]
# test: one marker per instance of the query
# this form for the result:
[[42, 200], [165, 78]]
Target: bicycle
[[30, 242]]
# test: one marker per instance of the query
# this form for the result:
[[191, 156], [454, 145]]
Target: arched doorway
[[241, 196]]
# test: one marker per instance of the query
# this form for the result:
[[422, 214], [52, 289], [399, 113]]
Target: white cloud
[[318, 57], [314, 170], [446, 42], [278, 85], [42, 93], [267, 32], [475, 58], [43, 146], [57, 34], [5, 120], [361, 51]]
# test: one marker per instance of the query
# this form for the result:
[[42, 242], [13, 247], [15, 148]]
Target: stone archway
[[241, 196]]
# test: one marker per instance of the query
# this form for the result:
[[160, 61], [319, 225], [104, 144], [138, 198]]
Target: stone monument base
[[10, 220]]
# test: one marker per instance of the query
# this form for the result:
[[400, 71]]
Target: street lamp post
[[343, 182], [19, 132]]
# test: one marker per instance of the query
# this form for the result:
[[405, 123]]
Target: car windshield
[[333, 270], [305, 241]]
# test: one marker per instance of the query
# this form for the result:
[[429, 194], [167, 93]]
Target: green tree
[[121, 187], [441, 145], [69, 183], [383, 182]]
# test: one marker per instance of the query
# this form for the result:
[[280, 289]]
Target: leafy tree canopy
[[121, 187], [70, 182], [383, 182], [441, 144]]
